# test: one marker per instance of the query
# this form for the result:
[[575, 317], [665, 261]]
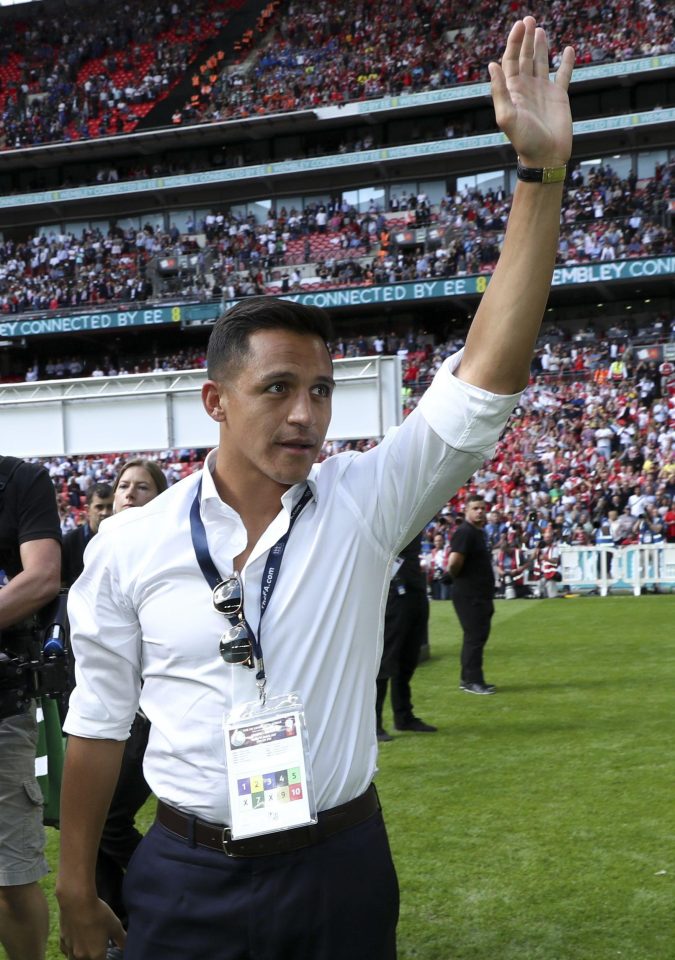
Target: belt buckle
[[227, 842]]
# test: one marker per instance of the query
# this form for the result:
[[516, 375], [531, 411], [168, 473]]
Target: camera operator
[[30, 561]]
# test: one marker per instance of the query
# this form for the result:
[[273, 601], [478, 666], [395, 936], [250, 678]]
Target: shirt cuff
[[464, 416]]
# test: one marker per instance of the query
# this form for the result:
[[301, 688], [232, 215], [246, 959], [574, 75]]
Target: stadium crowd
[[589, 455], [315, 56], [333, 244], [95, 70], [587, 354]]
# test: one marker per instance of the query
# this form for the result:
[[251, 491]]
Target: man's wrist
[[550, 173], [70, 892]]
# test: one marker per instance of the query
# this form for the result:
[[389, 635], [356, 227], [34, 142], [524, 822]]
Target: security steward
[[30, 562], [405, 631]]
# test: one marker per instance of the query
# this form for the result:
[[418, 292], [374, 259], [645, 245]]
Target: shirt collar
[[288, 500]]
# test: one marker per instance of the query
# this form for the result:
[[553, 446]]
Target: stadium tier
[[160, 162], [151, 175], [92, 70], [606, 218]]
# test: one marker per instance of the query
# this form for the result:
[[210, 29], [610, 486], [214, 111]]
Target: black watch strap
[[541, 174]]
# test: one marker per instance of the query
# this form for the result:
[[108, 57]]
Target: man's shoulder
[[8, 464], [16, 468], [25, 481], [330, 470], [461, 534], [472, 534], [130, 540]]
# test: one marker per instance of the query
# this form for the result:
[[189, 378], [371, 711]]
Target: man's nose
[[301, 410]]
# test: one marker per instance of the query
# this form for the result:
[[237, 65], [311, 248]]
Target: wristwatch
[[541, 174]]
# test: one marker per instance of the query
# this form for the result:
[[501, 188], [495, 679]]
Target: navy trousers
[[337, 900]]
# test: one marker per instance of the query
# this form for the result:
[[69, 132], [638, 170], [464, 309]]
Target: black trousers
[[406, 628], [337, 900], [475, 616], [120, 836]]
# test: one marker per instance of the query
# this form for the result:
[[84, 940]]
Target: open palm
[[532, 110]]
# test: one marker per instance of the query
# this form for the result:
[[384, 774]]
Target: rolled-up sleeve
[[106, 642], [397, 487], [465, 417]]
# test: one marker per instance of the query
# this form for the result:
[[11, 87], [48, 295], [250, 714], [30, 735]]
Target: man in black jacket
[[99, 506]]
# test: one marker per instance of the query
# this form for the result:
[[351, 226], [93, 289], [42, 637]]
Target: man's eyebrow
[[290, 375]]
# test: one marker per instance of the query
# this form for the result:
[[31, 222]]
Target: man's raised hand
[[532, 110]]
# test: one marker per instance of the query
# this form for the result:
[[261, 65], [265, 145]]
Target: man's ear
[[213, 402]]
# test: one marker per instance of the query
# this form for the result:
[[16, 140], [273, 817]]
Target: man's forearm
[[90, 774], [503, 334], [534, 113], [36, 584], [25, 594]]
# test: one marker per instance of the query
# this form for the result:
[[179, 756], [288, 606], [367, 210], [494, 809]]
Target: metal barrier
[[606, 568]]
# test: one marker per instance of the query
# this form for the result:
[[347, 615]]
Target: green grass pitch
[[537, 824]]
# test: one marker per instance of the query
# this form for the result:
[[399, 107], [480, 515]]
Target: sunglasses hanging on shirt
[[236, 644], [239, 644]]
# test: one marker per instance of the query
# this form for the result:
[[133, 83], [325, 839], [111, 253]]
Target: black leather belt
[[218, 837]]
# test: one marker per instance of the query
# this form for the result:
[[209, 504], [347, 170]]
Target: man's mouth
[[298, 445]]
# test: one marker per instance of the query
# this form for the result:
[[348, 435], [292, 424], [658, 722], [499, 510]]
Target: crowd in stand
[[230, 156], [583, 463], [589, 453], [317, 55], [588, 354], [64, 368], [94, 70], [588, 457], [604, 218], [60, 271]]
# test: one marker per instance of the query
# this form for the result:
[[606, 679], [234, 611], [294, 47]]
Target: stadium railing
[[604, 569]]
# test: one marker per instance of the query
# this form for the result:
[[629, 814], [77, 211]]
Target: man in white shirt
[[167, 587], [603, 440]]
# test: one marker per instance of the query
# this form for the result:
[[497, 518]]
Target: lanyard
[[273, 565]]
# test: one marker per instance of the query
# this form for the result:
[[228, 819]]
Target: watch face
[[554, 174]]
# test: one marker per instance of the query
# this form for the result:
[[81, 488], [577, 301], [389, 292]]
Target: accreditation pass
[[268, 766]]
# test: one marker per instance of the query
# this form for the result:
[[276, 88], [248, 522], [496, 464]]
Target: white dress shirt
[[141, 612]]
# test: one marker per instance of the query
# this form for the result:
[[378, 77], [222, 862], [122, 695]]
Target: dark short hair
[[475, 498], [151, 466], [101, 490], [229, 340]]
